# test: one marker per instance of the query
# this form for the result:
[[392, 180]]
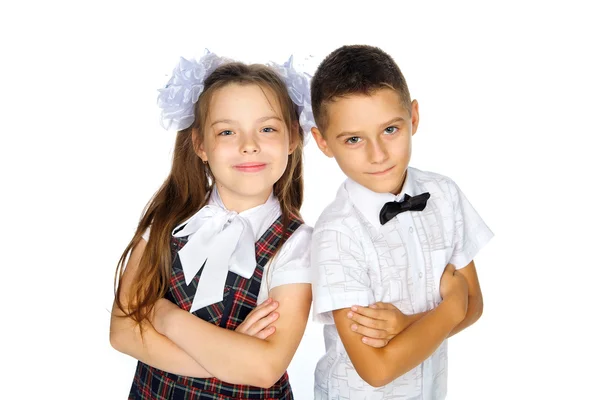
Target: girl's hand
[[379, 323], [257, 323]]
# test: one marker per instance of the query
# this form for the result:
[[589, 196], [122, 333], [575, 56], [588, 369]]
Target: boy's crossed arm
[[381, 322], [423, 334], [475, 307]]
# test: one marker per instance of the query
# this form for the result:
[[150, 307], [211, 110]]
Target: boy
[[392, 256]]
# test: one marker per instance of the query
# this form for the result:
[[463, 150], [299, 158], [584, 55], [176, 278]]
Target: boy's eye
[[391, 129], [226, 133], [353, 140], [267, 130]]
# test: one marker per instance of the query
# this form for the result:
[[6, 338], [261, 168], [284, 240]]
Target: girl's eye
[[390, 130], [226, 133], [267, 130], [353, 140]]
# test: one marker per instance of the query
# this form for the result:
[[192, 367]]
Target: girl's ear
[[199, 145], [294, 138]]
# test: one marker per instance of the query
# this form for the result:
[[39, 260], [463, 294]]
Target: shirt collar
[[369, 203], [218, 237], [260, 217]]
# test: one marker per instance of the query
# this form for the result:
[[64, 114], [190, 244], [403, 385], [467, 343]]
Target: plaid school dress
[[239, 299]]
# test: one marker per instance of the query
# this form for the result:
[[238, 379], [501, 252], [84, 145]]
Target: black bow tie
[[393, 208]]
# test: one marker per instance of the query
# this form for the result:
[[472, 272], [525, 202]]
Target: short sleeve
[[471, 234], [292, 263], [339, 274]]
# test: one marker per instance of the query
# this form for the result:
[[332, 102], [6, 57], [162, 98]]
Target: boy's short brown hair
[[357, 69]]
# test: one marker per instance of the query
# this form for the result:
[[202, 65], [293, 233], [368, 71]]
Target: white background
[[509, 97]]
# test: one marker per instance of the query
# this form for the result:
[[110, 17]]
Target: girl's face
[[246, 143]]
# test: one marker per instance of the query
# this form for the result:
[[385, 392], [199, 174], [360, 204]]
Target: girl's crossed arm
[[157, 350], [236, 358]]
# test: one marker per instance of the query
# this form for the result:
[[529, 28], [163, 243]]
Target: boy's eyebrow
[[384, 125], [397, 119], [230, 121], [347, 134]]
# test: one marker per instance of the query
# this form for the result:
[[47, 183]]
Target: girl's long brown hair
[[186, 189]]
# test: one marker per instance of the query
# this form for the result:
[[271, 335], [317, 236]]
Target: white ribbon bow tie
[[225, 240]]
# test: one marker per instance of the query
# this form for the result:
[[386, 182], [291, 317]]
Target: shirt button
[[420, 274], [410, 229]]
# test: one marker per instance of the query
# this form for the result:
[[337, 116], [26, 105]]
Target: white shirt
[[291, 264], [357, 261]]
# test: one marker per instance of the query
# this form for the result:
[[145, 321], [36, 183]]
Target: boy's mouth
[[382, 172]]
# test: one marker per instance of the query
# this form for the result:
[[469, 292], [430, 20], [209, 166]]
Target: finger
[[377, 343], [259, 313], [385, 306], [265, 303], [366, 321], [256, 315], [265, 333], [375, 313], [268, 302], [381, 305], [261, 324], [369, 332]]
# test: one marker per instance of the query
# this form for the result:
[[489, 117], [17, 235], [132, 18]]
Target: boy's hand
[[379, 323], [454, 288], [257, 323]]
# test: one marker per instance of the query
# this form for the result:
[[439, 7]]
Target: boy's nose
[[377, 152]]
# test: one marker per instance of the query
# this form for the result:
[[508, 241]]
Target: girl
[[225, 234]]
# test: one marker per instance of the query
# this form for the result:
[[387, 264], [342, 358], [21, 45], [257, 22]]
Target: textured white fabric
[[227, 240], [357, 261]]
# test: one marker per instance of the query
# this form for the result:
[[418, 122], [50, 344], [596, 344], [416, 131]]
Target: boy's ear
[[414, 116], [198, 145], [321, 142]]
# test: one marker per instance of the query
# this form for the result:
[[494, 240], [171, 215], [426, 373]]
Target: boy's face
[[370, 138]]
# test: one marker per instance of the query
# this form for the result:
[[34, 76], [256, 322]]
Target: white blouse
[[229, 238]]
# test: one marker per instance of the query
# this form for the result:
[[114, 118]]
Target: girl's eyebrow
[[231, 121], [268, 117], [222, 121]]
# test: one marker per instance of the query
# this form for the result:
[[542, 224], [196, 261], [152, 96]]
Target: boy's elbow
[[477, 310], [376, 377], [375, 380]]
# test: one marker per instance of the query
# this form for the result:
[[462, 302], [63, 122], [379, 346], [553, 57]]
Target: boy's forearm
[[474, 311], [415, 317], [417, 342]]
